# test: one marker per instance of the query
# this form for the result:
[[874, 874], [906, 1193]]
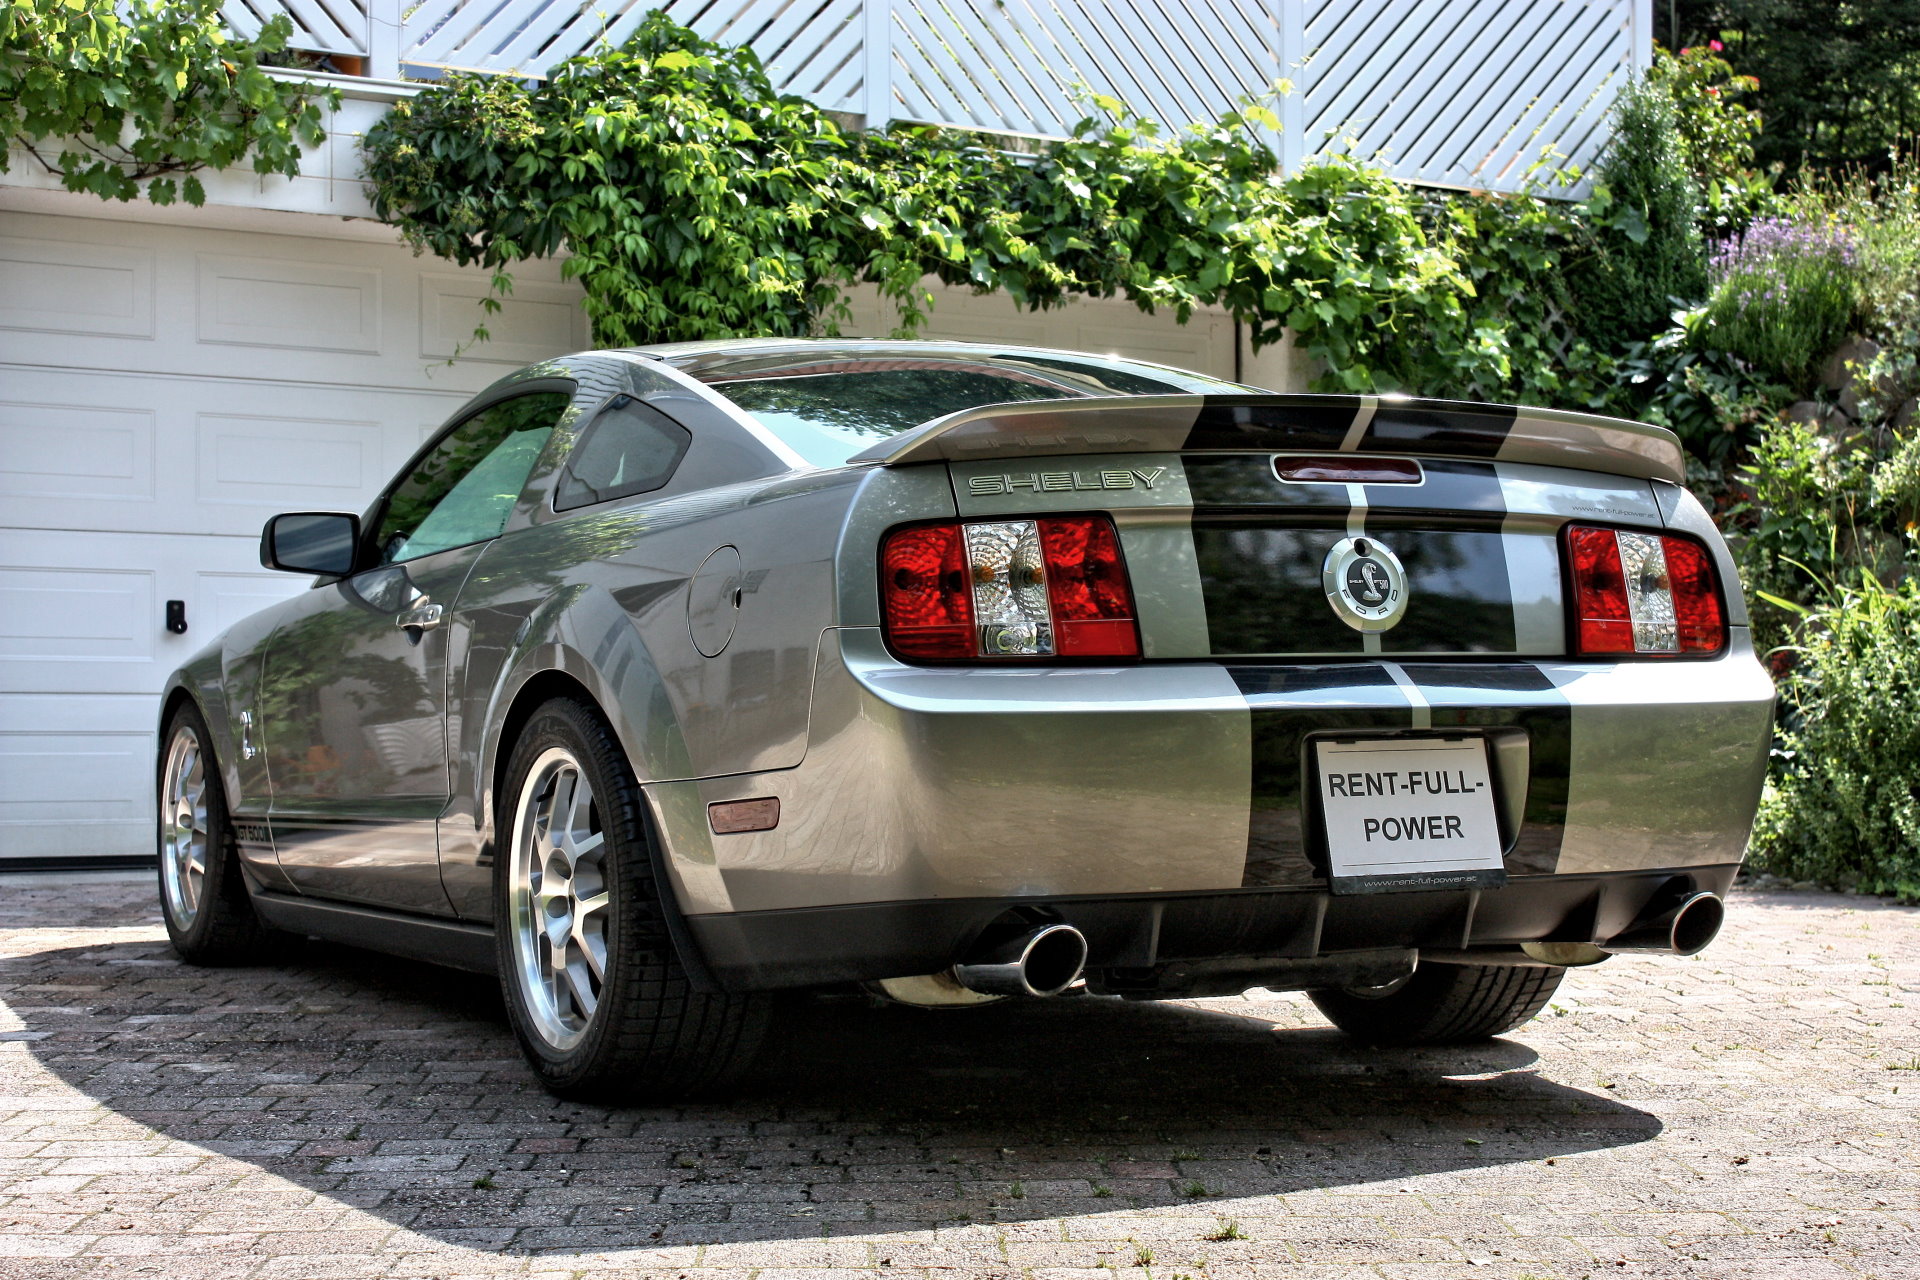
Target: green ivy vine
[[696, 202], [115, 98]]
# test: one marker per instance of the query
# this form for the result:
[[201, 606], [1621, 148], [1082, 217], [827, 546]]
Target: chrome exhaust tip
[[1041, 962], [1683, 929]]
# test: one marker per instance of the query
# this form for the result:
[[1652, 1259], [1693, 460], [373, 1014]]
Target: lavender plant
[[1783, 296]]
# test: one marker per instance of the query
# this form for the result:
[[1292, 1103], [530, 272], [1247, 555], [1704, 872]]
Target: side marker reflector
[[732, 817]]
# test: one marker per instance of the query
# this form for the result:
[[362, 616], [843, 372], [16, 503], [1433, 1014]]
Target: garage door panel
[[85, 613], [79, 774], [225, 304], [289, 464], [138, 453], [221, 599], [535, 322], [88, 454], [303, 306], [73, 614], [76, 287]]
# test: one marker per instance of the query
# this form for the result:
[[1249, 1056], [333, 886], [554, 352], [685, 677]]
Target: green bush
[[1714, 403], [125, 99], [1783, 297], [698, 203], [1644, 258], [1843, 807]]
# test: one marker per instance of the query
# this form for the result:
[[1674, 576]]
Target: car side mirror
[[322, 542]]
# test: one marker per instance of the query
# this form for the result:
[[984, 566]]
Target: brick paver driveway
[[1748, 1112]]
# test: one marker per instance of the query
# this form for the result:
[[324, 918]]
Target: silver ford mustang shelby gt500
[[664, 679]]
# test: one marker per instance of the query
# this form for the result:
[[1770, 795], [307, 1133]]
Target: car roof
[[700, 358]]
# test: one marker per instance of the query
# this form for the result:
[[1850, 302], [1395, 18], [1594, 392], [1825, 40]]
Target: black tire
[[214, 922], [1441, 1004], [649, 1037]]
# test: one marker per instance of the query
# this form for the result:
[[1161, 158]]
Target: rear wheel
[[209, 914], [596, 991], [1441, 1003]]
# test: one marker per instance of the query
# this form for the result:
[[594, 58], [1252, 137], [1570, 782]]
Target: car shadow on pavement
[[396, 1089]]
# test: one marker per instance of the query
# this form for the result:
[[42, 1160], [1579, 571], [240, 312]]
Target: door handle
[[422, 618]]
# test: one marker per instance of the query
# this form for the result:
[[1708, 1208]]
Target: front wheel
[[598, 997], [1441, 1004], [203, 895]]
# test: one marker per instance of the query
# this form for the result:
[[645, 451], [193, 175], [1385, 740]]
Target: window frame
[[369, 551], [564, 472]]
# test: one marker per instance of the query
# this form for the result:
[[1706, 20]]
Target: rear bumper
[[770, 949], [1176, 782]]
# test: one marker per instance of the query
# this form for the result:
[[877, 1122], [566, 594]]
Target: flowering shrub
[[1843, 806], [1783, 296], [1717, 131]]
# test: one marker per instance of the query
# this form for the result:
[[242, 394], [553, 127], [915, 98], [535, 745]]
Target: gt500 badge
[[1365, 584]]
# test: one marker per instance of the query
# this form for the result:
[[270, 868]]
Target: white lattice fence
[[1024, 66], [1467, 92], [323, 26], [811, 47], [1444, 92]]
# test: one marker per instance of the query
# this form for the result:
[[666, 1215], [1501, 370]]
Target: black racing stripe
[[1491, 677], [1442, 426], [1262, 588], [1284, 844], [1280, 850], [1281, 681], [1263, 591], [1246, 482], [1451, 487], [1311, 423], [1550, 750]]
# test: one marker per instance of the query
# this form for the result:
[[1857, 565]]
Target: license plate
[[1409, 813]]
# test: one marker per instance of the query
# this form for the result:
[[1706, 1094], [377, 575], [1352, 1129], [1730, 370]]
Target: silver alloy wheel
[[183, 828], [557, 898]]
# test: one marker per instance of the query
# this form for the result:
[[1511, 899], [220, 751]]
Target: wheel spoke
[[580, 988], [593, 949]]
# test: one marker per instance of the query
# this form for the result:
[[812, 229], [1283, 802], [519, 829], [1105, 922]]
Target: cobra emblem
[[1365, 584]]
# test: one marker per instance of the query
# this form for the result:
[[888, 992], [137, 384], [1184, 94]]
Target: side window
[[465, 488], [630, 448]]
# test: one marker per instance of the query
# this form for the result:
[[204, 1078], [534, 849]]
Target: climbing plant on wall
[[121, 98], [696, 202]]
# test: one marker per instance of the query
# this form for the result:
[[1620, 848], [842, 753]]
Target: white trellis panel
[[323, 26], [1467, 92], [1026, 66], [811, 47], [1443, 92]]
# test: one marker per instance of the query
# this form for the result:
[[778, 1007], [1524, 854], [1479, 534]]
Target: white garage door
[[164, 389]]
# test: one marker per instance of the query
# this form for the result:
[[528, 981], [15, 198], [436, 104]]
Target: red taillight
[[1599, 593], [1051, 587], [1698, 616], [1087, 586], [924, 593], [1642, 593]]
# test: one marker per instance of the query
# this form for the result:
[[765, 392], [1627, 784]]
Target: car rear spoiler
[[1291, 424]]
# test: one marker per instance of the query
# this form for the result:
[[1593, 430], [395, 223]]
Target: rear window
[[829, 410]]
